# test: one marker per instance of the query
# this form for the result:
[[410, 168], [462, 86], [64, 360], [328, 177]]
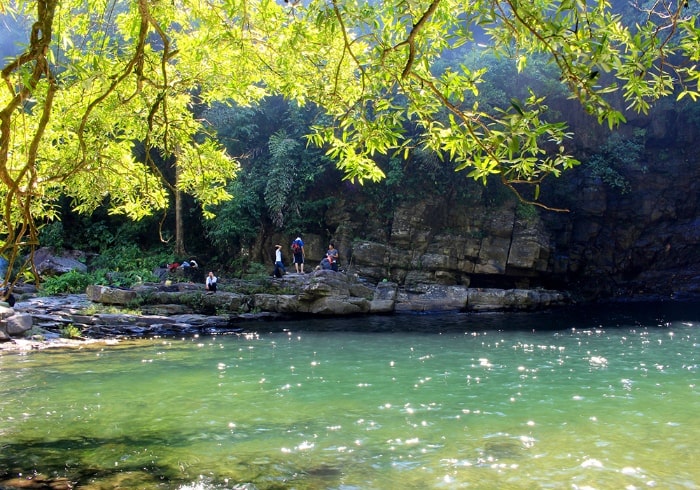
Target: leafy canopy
[[97, 76]]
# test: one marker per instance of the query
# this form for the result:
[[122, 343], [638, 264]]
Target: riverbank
[[108, 325], [170, 309]]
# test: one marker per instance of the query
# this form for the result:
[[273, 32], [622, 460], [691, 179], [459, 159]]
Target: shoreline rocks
[[186, 309], [325, 293]]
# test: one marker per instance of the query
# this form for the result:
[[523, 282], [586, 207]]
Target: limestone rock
[[371, 253], [110, 295], [6, 311], [49, 264], [433, 298], [513, 299], [13, 323], [338, 306], [278, 303], [324, 283], [493, 255], [17, 324], [529, 249], [384, 298]]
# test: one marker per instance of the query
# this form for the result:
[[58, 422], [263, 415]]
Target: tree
[[282, 182], [98, 76]]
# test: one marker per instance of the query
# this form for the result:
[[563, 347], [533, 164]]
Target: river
[[587, 398]]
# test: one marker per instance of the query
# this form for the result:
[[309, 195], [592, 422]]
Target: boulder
[[337, 306], [6, 311], [529, 249], [17, 324], [110, 295], [493, 255], [12, 323], [384, 298], [277, 303], [324, 283], [49, 264]]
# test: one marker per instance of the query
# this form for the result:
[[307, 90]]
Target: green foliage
[[273, 188], [70, 331], [97, 308], [526, 212], [238, 220], [97, 236], [122, 266], [129, 257], [51, 235], [96, 232], [616, 156], [72, 282], [105, 81], [256, 270], [501, 80], [281, 175], [691, 113], [126, 278]]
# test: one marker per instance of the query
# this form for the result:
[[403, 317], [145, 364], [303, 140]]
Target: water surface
[[568, 399]]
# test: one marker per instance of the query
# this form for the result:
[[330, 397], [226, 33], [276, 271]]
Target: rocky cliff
[[643, 240]]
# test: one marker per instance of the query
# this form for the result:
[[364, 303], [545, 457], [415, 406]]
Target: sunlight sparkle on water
[[503, 406]]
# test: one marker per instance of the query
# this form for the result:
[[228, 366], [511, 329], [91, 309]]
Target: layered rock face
[[643, 242], [482, 247]]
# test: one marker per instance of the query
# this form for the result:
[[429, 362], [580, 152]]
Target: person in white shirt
[[279, 265], [211, 282]]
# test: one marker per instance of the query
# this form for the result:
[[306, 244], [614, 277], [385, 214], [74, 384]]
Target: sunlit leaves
[[120, 72], [356, 165], [595, 53]]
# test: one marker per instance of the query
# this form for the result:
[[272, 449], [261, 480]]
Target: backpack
[[296, 248]]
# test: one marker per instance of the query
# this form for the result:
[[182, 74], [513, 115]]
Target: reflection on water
[[582, 399]]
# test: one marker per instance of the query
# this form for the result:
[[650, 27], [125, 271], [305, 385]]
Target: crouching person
[[210, 283]]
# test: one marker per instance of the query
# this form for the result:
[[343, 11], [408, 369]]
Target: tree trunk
[[179, 228]]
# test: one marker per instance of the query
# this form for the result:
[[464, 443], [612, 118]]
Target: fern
[[281, 175]]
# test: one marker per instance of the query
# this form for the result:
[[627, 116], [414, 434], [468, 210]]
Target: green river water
[[581, 400]]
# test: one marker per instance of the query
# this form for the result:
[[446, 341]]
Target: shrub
[[256, 270], [75, 282], [617, 156], [51, 235], [128, 258], [70, 331], [72, 282]]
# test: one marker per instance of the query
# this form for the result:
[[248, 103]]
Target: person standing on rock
[[211, 282], [298, 253], [279, 265]]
